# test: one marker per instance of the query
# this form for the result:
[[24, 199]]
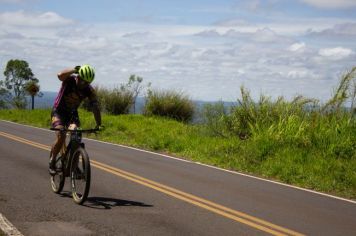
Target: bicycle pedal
[[52, 172]]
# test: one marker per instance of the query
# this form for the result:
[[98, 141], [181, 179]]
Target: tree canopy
[[17, 75]]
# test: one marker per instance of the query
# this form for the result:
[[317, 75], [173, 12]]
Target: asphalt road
[[135, 192]]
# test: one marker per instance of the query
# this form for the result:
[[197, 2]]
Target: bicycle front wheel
[[57, 180], [80, 175]]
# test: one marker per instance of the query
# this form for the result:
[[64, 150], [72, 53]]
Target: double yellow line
[[192, 199]]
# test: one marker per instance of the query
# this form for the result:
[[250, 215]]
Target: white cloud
[[10, 35], [268, 35], [138, 35], [288, 26], [232, 23], [297, 47], [22, 18], [337, 53], [259, 35], [301, 73], [345, 30], [208, 33], [83, 43], [331, 3], [210, 67]]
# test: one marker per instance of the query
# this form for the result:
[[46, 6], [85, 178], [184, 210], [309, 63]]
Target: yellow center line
[[26, 141], [192, 199]]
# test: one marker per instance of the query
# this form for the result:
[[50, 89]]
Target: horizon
[[206, 49]]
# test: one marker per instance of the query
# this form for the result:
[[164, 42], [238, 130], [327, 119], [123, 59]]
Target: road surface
[[134, 192]]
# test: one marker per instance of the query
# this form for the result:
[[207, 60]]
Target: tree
[[135, 86], [5, 97], [17, 73], [32, 88]]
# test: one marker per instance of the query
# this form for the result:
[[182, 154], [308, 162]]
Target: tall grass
[[249, 117], [301, 141], [170, 104], [215, 117], [345, 91], [114, 101]]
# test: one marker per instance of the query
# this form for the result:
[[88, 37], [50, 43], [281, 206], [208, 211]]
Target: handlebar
[[76, 130]]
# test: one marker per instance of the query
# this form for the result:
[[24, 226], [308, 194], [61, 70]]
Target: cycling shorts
[[64, 118]]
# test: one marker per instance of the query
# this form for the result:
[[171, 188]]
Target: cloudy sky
[[206, 49]]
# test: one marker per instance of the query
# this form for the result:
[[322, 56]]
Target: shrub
[[169, 104], [116, 101], [278, 117], [215, 118], [273, 118], [113, 101]]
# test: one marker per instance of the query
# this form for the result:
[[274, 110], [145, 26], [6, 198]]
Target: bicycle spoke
[[80, 176], [57, 180]]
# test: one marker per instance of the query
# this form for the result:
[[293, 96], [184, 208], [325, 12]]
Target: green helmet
[[86, 73]]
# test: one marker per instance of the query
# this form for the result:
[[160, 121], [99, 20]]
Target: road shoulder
[[6, 228]]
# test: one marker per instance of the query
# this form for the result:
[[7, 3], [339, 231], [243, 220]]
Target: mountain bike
[[73, 161]]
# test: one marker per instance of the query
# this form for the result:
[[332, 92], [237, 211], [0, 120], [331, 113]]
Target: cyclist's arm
[[97, 114], [65, 74], [95, 106]]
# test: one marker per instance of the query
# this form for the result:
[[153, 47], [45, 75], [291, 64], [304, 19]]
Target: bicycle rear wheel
[[57, 180], [80, 175]]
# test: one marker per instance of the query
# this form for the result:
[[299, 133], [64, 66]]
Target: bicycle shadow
[[106, 203]]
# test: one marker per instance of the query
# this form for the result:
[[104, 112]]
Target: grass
[[170, 104], [313, 151]]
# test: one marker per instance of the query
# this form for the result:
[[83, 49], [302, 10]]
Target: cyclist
[[75, 88]]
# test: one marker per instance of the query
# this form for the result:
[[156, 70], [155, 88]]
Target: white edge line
[[7, 227], [206, 165]]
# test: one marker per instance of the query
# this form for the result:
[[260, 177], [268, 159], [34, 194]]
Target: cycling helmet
[[86, 73]]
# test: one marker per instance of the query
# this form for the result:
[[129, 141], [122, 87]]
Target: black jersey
[[70, 96]]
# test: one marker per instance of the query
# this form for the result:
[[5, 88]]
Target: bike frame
[[74, 143]]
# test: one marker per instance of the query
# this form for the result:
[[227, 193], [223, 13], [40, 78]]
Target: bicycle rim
[[80, 176], [57, 180]]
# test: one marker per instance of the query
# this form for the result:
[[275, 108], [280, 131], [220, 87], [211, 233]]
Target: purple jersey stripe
[[60, 95]]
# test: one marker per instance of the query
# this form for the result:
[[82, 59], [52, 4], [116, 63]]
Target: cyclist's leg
[[57, 122], [60, 121], [72, 126], [74, 122]]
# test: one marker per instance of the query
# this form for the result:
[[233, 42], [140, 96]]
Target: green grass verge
[[329, 167]]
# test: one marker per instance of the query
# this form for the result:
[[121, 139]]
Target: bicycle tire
[[57, 180], [80, 175]]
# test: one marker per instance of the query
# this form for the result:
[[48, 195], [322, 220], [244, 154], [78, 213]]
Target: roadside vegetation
[[19, 81], [169, 104], [300, 142]]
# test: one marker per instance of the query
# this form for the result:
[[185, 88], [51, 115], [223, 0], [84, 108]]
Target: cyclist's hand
[[100, 127], [76, 69]]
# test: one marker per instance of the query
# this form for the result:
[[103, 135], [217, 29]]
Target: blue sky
[[206, 49]]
